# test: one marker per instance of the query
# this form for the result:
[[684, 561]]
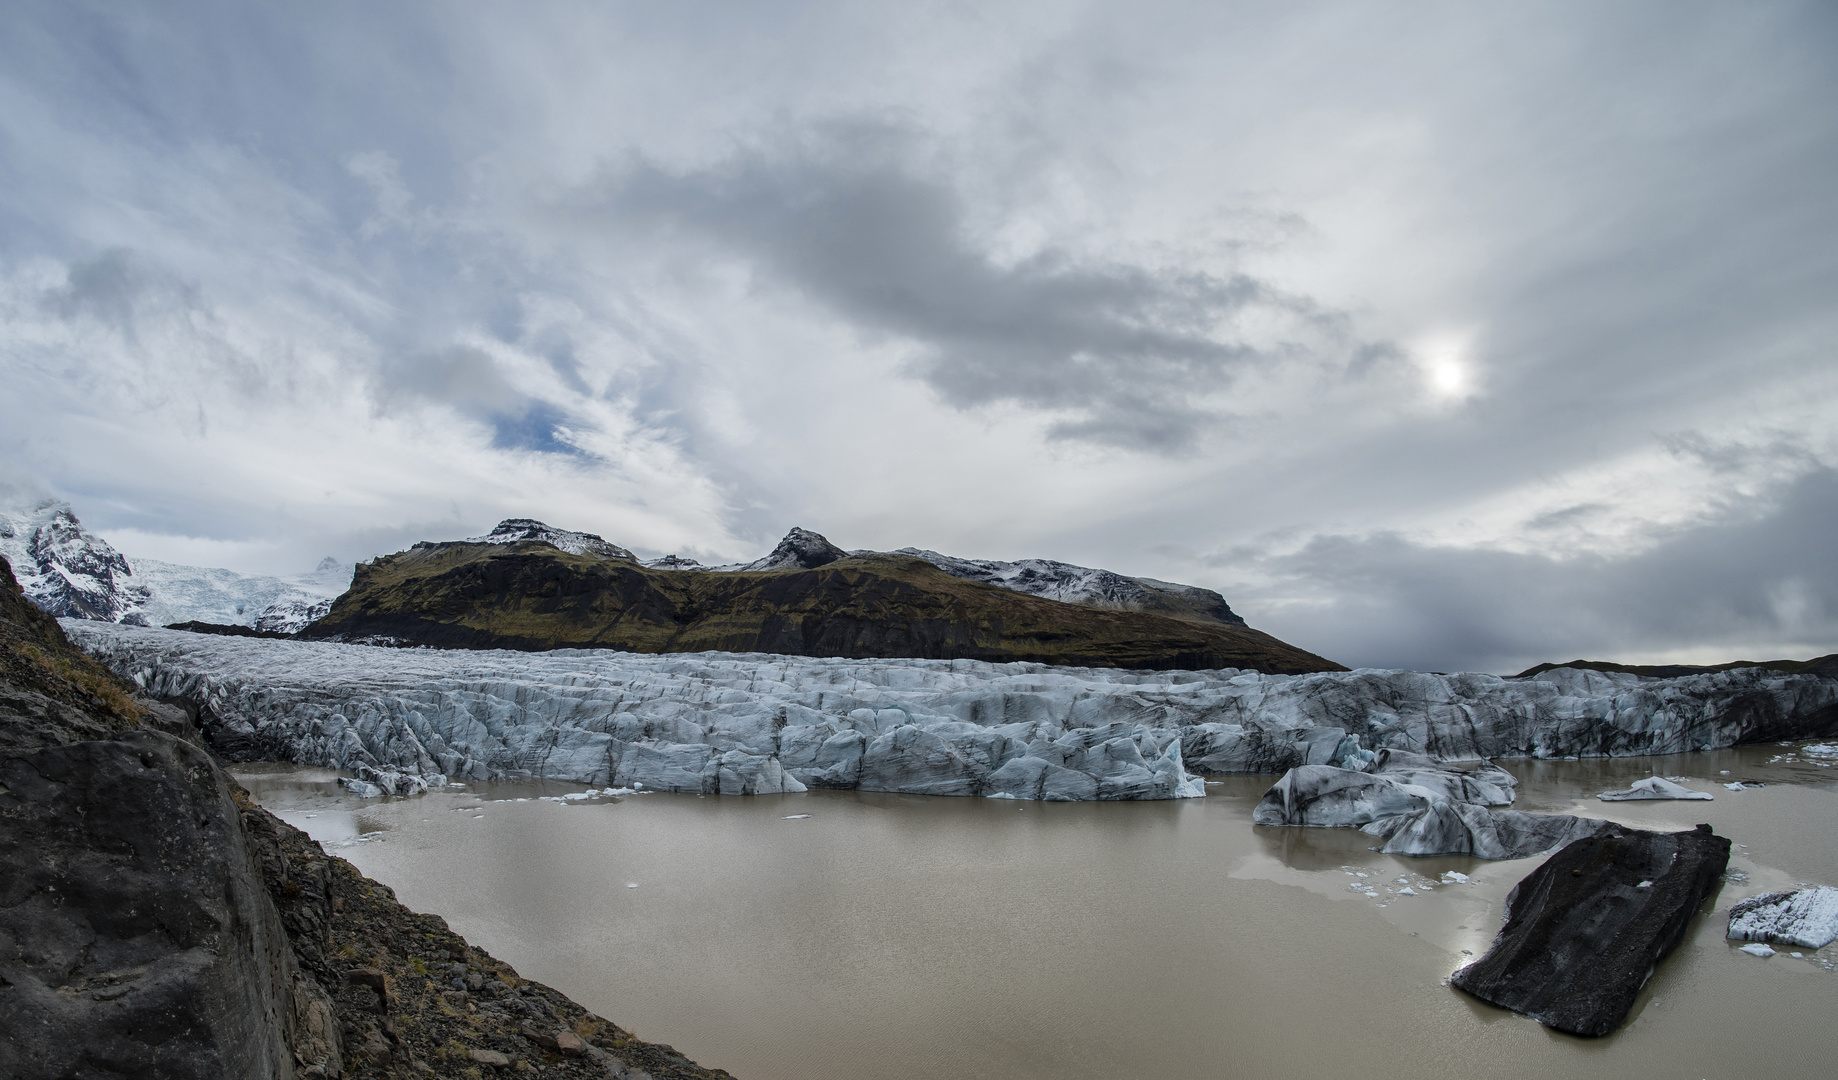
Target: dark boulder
[[1584, 931], [141, 939]]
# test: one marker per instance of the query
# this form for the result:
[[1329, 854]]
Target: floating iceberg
[[1806, 917], [1653, 787]]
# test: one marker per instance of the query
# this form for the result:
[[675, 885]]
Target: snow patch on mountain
[[800, 550], [513, 530], [71, 573], [67, 572], [1077, 584]]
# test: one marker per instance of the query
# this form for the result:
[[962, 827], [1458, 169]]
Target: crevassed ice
[[744, 723]]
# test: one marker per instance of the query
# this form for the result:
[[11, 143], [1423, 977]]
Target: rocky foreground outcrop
[[155, 923], [750, 723], [1584, 931]]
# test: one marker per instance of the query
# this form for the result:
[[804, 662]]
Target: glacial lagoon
[[849, 934]]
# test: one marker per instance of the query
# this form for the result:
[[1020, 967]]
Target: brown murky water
[[898, 936]]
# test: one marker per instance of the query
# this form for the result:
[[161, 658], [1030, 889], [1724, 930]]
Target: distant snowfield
[[746, 723], [69, 572]]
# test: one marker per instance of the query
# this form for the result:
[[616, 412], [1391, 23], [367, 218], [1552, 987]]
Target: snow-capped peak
[[800, 550], [513, 530], [71, 573], [66, 571]]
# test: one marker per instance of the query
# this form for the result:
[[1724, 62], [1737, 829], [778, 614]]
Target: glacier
[[70, 573], [747, 723]]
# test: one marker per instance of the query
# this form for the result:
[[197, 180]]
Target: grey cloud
[[469, 380], [852, 220], [119, 288], [1390, 602]]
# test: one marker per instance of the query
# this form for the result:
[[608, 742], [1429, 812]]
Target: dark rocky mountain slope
[[1826, 666], [158, 924], [532, 595]]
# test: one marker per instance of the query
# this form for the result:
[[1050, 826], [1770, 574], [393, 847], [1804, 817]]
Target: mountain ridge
[[531, 595], [68, 572]]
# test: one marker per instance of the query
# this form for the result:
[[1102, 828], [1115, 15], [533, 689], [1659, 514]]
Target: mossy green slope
[[533, 596]]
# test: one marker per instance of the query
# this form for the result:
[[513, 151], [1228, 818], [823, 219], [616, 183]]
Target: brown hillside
[[531, 595]]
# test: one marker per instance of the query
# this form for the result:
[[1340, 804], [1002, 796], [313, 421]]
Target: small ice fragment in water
[[1734, 785], [1407, 891], [1454, 877], [1797, 955], [1644, 885], [1756, 949], [631, 884], [794, 817]]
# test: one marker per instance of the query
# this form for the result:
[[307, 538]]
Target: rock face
[[142, 941], [1653, 787], [531, 595], [673, 720], [1584, 931], [1805, 917], [157, 924]]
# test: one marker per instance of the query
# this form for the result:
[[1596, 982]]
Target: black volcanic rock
[[227, 629], [1585, 930]]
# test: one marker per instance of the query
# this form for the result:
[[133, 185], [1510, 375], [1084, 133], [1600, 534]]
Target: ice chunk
[[1653, 787], [1806, 917], [1757, 949], [794, 817]]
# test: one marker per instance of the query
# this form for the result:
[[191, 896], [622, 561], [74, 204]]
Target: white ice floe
[[1421, 807], [1807, 917], [1454, 877], [1653, 787], [1757, 950], [794, 817], [746, 723]]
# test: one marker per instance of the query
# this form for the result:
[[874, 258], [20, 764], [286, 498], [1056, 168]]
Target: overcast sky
[[1452, 336]]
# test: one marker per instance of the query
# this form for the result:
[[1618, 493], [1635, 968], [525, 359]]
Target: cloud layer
[[1444, 336]]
